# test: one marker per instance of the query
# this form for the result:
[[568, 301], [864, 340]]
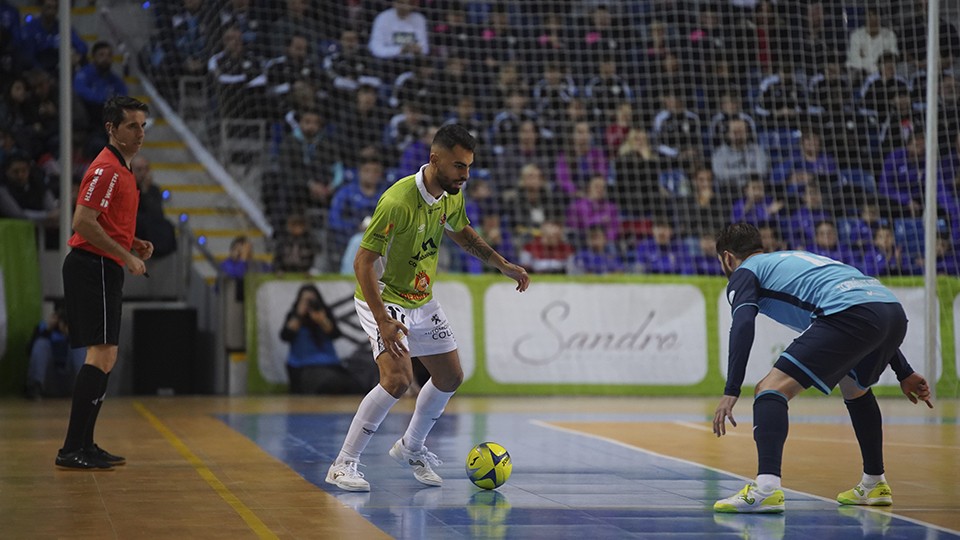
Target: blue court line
[[566, 484]]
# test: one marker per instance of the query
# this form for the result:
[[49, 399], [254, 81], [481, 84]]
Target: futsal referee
[[102, 244]]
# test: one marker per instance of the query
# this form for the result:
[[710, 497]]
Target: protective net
[[614, 136]]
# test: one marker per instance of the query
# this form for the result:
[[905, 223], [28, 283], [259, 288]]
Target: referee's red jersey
[[110, 188]]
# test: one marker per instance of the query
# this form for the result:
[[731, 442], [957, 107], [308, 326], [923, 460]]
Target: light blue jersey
[[793, 287]]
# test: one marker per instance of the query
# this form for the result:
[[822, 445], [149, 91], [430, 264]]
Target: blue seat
[[781, 144], [858, 179], [908, 233]]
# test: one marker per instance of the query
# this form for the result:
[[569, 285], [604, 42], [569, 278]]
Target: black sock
[[868, 425], [86, 397], [770, 426], [92, 421]]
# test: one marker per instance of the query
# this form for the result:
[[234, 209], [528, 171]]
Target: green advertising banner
[[20, 300], [588, 335]]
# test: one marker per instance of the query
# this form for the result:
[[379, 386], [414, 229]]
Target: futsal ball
[[488, 465]]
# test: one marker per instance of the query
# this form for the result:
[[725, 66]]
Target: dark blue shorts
[[859, 341]]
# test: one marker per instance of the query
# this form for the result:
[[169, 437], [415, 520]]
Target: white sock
[[430, 405], [371, 412], [870, 480], [767, 483]]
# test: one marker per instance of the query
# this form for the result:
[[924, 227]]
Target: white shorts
[[430, 332]]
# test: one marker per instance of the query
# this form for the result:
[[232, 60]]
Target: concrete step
[[166, 150], [169, 174]]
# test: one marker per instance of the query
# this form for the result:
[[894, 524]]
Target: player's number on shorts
[[815, 260], [397, 314]]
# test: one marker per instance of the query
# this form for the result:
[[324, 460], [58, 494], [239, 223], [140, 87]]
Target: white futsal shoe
[[344, 475], [421, 463]]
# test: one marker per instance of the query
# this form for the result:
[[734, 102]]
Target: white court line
[[714, 469], [709, 429]]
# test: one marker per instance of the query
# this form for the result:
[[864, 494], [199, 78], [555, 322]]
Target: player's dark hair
[[452, 135], [741, 239], [113, 109]]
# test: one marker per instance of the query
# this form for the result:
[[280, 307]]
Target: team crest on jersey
[[443, 218], [421, 281]]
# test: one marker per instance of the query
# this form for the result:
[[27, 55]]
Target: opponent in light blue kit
[[852, 327], [396, 267]]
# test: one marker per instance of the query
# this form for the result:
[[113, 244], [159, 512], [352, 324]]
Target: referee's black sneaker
[[81, 460], [103, 455]]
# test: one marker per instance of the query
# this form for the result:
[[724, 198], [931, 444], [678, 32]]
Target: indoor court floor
[[584, 467]]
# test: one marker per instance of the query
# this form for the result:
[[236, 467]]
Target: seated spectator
[[603, 34], [812, 158], [452, 35], [421, 84], [703, 211], [44, 106], [607, 91], [313, 366], [902, 180], [41, 39], [19, 116], [552, 94], [354, 201], [579, 161], [529, 148], [549, 252], [362, 122], [295, 64], [399, 32], [95, 83], [295, 246], [662, 253], [527, 208], [738, 159], [404, 129], [899, 125], [240, 15], [731, 108], [10, 41], [801, 223], [827, 243], [832, 110], [704, 262], [505, 128], [948, 260], [24, 193], [756, 206], [879, 89], [185, 52], [418, 152], [599, 255], [53, 364], [498, 41], [152, 224], [617, 128], [636, 188], [238, 77], [770, 237], [782, 103], [350, 68], [883, 257], [482, 209], [868, 42], [550, 39], [297, 20], [309, 159], [675, 128], [594, 209], [240, 261], [465, 114]]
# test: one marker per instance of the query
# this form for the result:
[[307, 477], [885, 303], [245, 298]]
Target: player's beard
[[448, 184]]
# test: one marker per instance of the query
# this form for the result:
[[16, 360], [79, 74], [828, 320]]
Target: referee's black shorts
[[92, 296], [859, 341]]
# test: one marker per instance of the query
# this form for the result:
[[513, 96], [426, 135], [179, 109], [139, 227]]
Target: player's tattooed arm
[[468, 239]]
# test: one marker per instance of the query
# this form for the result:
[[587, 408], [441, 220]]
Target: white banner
[[596, 334], [772, 338], [275, 299]]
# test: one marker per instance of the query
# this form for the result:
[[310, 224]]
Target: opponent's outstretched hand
[[916, 389]]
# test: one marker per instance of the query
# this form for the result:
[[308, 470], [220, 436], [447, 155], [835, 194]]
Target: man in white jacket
[[868, 42], [399, 32]]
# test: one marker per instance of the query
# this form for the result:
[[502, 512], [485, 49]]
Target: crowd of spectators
[[645, 123], [30, 112]]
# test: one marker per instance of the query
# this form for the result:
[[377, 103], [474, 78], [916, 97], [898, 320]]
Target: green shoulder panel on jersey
[[406, 230]]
